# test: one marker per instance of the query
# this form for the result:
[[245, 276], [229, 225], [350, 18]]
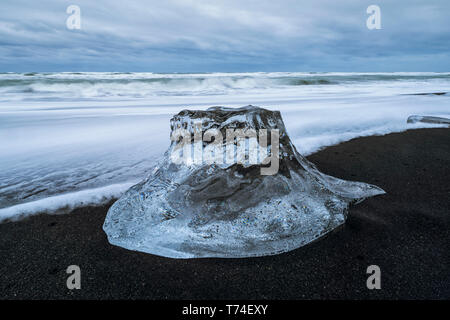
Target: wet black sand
[[406, 232]]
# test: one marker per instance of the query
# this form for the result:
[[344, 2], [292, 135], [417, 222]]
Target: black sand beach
[[406, 232]]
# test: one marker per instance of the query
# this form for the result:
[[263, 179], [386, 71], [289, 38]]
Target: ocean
[[79, 138]]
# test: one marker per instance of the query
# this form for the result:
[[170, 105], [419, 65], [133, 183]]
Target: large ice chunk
[[206, 199]]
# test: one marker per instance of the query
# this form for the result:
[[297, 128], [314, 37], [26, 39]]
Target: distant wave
[[126, 85]]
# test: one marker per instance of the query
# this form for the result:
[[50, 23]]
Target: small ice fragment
[[428, 119]]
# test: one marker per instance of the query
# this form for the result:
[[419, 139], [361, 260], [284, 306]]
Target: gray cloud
[[226, 35]]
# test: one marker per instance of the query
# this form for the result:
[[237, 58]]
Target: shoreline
[[65, 203], [405, 232]]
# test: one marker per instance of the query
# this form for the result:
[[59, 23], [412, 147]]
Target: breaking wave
[[92, 85]]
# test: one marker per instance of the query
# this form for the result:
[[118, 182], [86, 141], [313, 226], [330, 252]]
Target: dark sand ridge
[[406, 232]]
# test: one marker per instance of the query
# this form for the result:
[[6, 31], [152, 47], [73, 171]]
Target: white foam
[[54, 145], [68, 200]]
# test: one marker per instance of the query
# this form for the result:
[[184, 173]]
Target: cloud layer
[[224, 35]]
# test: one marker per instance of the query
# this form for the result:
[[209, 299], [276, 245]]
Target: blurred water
[[67, 138]]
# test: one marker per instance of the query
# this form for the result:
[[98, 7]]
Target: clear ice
[[194, 209], [428, 119]]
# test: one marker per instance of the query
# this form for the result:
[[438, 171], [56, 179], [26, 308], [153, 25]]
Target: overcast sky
[[224, 35]]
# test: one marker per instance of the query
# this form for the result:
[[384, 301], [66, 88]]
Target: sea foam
[[85, 131], [67, 201]]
